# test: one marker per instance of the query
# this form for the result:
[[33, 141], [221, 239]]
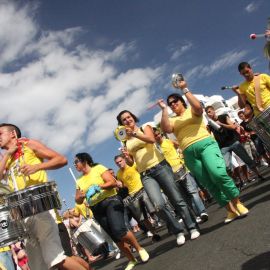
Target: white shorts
[[43, 246], [232, 161]]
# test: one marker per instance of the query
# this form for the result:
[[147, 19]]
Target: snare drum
[[261, 124], [11, 231], [91, 238], [33, 200]]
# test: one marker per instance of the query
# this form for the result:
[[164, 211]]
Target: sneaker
[[230, 217], [156, 237], [118, 255], [149, 234], [144, 255], [243, 211], [198, 220], [180, 239], [194, 233], [252, 180], [131, 264], [204, 217]]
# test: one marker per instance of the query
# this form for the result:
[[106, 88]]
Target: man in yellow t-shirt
[[246, 90], [138, 200], [186, 183], [27, 160]]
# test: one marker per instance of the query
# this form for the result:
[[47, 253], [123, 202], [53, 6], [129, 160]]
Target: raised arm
[[242, 99], [165, 123], [195, 104], [53, 159]]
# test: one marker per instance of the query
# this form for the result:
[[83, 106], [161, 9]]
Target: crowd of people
[[160, 180]]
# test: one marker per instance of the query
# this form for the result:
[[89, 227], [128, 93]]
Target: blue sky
[[68, 67]]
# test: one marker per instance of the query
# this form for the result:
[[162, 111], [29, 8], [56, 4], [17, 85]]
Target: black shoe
[[204, 217], [261, 178], [156, 237]]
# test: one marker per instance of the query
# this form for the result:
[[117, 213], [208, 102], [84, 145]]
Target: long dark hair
[[177, 97], [86, 158], [118, 117]]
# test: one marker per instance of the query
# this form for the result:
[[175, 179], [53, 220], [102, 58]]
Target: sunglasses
[[173, 102], [76, 161]]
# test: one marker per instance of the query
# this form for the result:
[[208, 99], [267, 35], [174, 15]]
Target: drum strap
[[258, 96]]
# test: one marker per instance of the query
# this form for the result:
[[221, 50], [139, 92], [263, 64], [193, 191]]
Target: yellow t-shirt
[[248, 89], [130, 178], [94, 178], [83, 210], [188, 128], [13, 166], [171, 154], [58, 219], [145, 154], [4, 249]]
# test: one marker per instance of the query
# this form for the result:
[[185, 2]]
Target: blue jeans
[[241, 152], [6, 260], [161, 177], [189, 187]]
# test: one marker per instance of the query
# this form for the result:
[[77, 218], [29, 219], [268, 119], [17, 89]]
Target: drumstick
[[152, 106], [13, 180], [73, 176], [254, 36]]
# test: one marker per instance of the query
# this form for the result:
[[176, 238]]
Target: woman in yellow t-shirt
[[97, 185], [156, 174], [201, 152]]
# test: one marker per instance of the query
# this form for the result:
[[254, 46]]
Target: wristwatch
[[185, 90]]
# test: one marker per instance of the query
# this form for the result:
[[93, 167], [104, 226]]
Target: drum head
[[120, 133]]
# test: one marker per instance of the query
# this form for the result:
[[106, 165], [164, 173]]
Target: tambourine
[[120, 133]]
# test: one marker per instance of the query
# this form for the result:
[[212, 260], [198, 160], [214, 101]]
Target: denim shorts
[[109, 213]]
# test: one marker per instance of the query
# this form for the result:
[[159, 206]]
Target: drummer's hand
[[80, 194], [161, 104], [27, 169]]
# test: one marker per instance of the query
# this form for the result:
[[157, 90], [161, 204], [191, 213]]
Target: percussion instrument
[[11, 231], [177, 77], [261, 124], [91, 238], [120, 133], [33, 200]]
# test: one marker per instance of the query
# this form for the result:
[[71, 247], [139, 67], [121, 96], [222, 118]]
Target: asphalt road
[[243, 244]]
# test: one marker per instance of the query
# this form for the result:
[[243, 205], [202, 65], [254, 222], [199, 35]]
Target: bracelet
[[185, 90]]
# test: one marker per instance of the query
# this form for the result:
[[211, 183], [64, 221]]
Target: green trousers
[[206, 163]]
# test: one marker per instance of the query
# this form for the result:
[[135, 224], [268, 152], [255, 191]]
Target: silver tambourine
[[120, 133], [177, 77]]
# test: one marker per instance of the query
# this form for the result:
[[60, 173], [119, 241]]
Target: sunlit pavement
[[243, 244]]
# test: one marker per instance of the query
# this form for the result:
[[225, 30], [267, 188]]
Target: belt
[[152, 169], [132, 198]]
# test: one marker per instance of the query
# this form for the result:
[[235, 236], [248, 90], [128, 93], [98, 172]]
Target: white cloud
[[226, 60], [179, 50], [64, 94], [253, 6]]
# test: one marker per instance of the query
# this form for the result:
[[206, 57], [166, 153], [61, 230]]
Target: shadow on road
[[260, 262]]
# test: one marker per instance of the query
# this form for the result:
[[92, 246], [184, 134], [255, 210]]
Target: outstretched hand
[[161, 104]]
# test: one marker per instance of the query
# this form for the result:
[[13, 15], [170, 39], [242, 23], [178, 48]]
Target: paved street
[[243, 244]]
